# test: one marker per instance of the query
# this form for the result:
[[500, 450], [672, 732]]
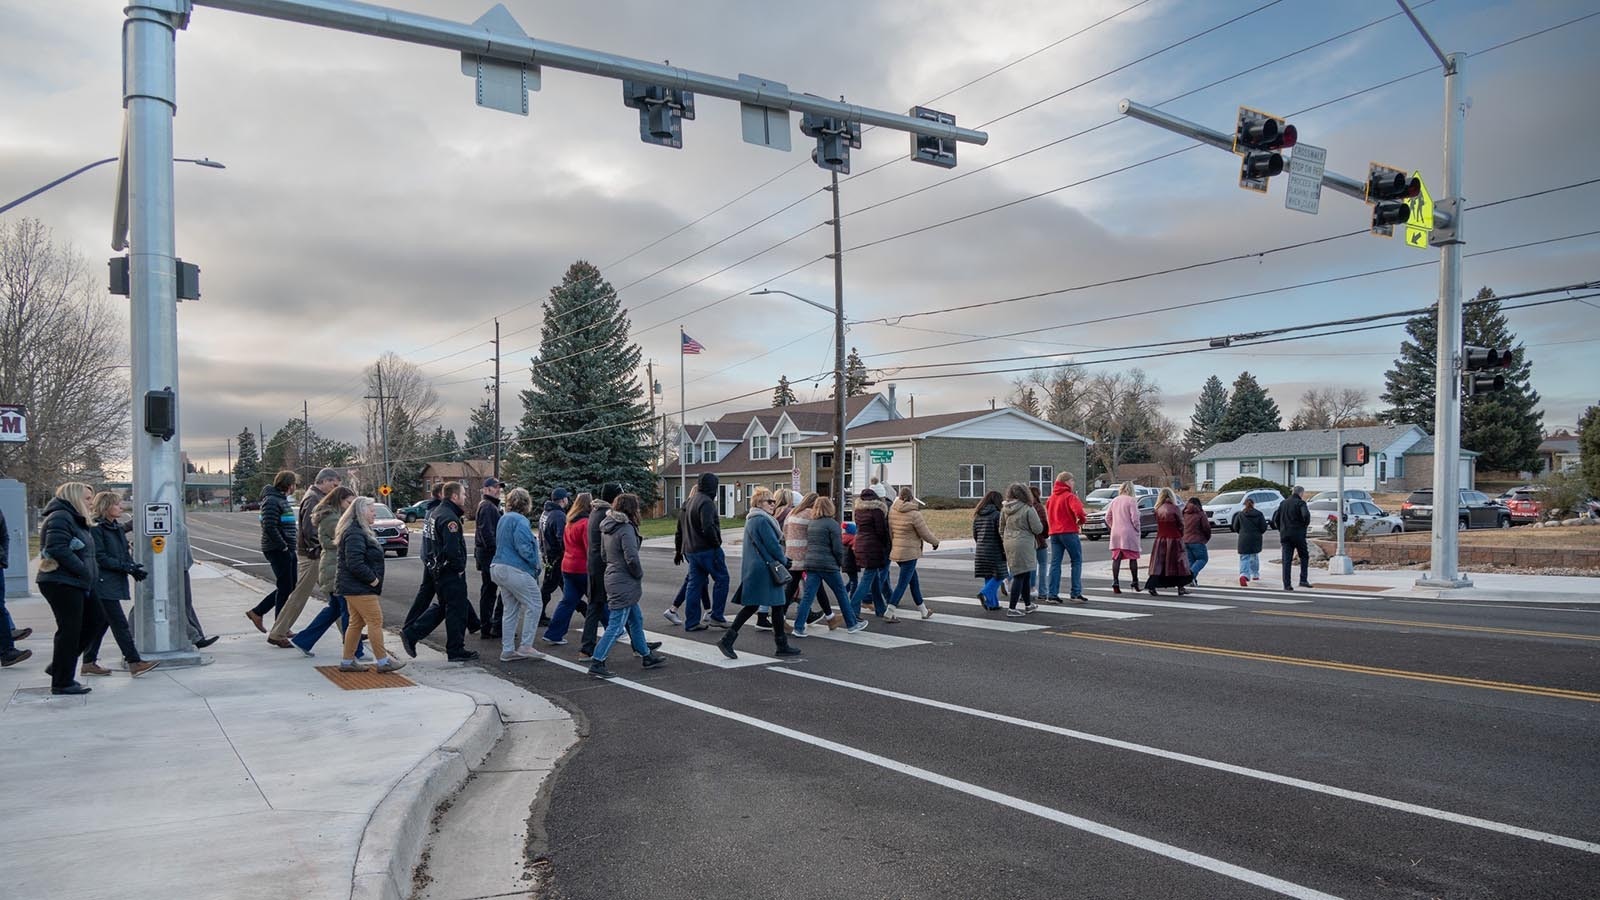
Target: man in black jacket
[[703, 551], [446, 558], [277, 545], [427, 590], [552, 536], [309, 549], [9, 654], [486, 522], [1292, 518]]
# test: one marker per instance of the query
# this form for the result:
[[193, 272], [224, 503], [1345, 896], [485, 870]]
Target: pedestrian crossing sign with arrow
[[1420, 224]]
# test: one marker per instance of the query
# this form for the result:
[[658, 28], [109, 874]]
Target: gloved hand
[[139, 573]]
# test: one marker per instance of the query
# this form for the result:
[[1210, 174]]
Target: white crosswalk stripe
[[1108, 597], [1085, 612], [869, 638], [1014, 625], [707, 654]]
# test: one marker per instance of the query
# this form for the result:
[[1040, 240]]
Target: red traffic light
[[1287, 138]]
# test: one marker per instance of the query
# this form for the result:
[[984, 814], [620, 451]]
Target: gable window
[[969, 482], [786, 444], [709, 451], [1249, 467], [758, 446], [688, 453], [1040, 478]]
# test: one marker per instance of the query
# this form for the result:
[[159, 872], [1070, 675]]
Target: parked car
[[1474, 510], [1523, 503], [416, 512], [392, 533], [1225, 508], [1098, 498], [250, 506], [1368, 516], [1094, 528], [1349, 494]]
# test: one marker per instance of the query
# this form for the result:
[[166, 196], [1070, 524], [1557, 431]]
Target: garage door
[[1464, 474]]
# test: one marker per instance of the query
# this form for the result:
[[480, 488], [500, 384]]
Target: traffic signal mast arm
[[362, 18], [1351, 187]]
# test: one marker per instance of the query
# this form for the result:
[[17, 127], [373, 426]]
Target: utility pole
[[650, 388], [839, 460], [383, 420], [305, 433], [230, 474], [497, 399]]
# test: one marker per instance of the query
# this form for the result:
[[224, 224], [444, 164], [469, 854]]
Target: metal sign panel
[[501, 85], [1420, 224], [765, 126], [13, 424], [881, 456], [157, 518], [1305, 167]]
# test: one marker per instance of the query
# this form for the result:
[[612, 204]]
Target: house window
[[1211, 473], [786, 444], [969, 485], [758, 446], [688, 453], [1249, 467], [1040, 478], [677, 495], [1305, 468], [1325, 467], [709, 452], [1383, 467], [1399, 467]]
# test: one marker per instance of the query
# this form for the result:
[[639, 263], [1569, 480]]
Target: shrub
[[1560, 495], [1252, 483], [932, 502]]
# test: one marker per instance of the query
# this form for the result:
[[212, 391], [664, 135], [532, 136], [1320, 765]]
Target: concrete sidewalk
[[252, 776]]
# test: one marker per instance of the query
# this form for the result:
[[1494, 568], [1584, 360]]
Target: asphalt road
[[1309, 744]]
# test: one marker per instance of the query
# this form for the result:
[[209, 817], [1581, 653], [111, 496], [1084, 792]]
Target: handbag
[[780, 574]]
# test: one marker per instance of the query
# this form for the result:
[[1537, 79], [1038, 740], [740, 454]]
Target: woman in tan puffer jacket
[[1020, 527], [908, 531]]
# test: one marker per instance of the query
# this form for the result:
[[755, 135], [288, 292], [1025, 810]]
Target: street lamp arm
[[208, 163], [825, 308]]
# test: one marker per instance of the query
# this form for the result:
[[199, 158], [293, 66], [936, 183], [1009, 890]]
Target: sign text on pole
[[13, 424], [1306, 165], [158, 518]]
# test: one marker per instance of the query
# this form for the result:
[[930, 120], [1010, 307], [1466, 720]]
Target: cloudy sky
[[368, 205]]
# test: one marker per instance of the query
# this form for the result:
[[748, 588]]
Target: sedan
[[392, 533], [1349, 494], [414, 512], [1225, 508], [1094, 528], [1369, 518], [1473, 510]]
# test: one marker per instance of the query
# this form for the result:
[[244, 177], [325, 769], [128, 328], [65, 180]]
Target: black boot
[[726, 643], [780, 638]]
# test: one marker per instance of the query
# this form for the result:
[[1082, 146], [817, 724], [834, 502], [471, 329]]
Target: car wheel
[[1461, 525], [1505, 521]]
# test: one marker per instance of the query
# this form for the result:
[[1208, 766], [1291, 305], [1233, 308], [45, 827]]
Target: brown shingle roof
[[901, 428]]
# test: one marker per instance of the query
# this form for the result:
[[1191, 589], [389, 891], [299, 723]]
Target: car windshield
[[1102, 494], [381, 511], [1324, 505], [1228, 499], [1420, 497]]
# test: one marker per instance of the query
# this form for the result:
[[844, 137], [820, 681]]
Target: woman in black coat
[[989, 559], [359, 579], [115, 563], [67, 573], [1250, 525]]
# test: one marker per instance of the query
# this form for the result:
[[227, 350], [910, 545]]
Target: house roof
[[1425, 448], [1560, 442], [1318, 442], [929, 426], [852, 407], [471, 468], [728, 431], [736, 463]]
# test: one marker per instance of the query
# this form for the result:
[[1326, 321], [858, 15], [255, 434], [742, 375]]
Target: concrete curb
[[392, 843]]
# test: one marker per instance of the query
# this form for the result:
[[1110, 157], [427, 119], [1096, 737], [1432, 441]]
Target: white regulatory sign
[[157, 518], [1305, 178]]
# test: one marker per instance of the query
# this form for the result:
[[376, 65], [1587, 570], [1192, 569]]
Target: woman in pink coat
[[1122, 520]]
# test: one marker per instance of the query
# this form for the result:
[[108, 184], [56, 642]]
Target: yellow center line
[[1459, 681], [1446, 626]]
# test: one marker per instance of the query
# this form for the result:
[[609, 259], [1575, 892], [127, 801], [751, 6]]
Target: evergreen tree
[[1209, 410], [246, 468], [783, 394], [855, 375], [1589, 448], [584, 421], [480, 442], [1503, 426], [1250, 409]]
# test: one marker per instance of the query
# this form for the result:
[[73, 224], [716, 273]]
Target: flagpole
[[683, 429]]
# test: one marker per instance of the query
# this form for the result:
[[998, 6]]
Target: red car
[[1523, 503], [391, 532]]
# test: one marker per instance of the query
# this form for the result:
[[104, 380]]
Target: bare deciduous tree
[[411, 406], [63, 356], [1332, 408]]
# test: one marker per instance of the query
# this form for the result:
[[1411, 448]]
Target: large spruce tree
[[855, 375], [246, 468], [1209, 411], [783, 394], [584, 422], [1250, 409], [1589, 448], [1502, 426], [480, 440]]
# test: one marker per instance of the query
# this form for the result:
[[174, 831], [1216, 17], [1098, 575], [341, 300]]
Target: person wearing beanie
[[703, 551], [309, 546]]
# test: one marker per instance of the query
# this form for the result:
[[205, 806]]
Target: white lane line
[[1128, 838], [706, 654], [874, 639], [229, 559], [1085, 612], [1245, 595], [1259, 774], [1012, 625], [1108, 597], [196, 537]]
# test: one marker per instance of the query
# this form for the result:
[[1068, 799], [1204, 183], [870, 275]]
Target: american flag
[[690, 346]]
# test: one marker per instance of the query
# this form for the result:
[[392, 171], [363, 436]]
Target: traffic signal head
[[661, 111], [1258, 137], [1354, 454], [1492, 363], [1388, 189], [835, 138]]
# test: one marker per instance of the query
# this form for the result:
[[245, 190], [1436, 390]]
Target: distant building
[[1560, 453], [1401, 459], [470, 473]]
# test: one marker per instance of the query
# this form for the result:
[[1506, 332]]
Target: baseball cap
[[492, 482], [560, 494]]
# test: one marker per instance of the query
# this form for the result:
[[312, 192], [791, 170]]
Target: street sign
[[157, 518], [1354, 454], [384, 490], [794, 479], [1306, 164], [13, 424], [1420, 223], [881, 456]]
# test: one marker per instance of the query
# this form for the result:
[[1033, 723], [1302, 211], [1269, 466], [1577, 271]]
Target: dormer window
[[758, 446], [709, 450], [786, 444]]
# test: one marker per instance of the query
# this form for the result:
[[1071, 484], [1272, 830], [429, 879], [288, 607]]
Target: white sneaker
[[798, 632], [926, 612], [1031, 607], [526, 651], [888, 614], [391, 665], [859, 626], [1015, 613], [671, 615]]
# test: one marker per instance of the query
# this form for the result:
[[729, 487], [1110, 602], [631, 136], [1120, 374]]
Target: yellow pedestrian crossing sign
[[1420, 224]]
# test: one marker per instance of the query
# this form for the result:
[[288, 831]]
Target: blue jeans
[[835, 583], [335, 611], [1072, 545], [908, 578], [706, 564], [1198, 556], [573, 587], [871, 581], [1250, 565], [990, 592], [628, 619]]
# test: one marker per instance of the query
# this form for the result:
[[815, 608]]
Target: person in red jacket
[[574, 570], [1065, 512]]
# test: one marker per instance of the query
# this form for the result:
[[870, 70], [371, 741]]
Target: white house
[[1401, 459]]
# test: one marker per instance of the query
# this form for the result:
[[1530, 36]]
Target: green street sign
[[881, 456]]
